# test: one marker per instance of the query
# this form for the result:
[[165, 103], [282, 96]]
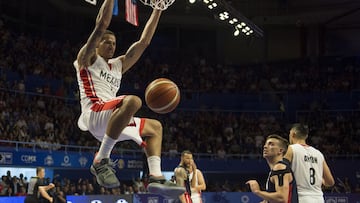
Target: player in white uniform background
[[309, 166], [189, 176], [110, 118], [199, 186]]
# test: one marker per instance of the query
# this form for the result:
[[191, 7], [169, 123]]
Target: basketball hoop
[[158, 4]]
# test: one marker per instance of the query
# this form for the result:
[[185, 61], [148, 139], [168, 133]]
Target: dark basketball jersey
[[187, 183], [270, 187], [33, 195]]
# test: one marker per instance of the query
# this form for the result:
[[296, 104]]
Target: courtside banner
[[152, 198], [100, 199], [61, 159], [6, 158], [208, 197], [239, 197]]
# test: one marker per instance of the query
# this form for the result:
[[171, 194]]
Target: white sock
[[106, 147], [154, 163]]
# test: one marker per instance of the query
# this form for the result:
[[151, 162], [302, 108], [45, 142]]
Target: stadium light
[[226, 12], [213, 5], [224, 15], [236, 33]]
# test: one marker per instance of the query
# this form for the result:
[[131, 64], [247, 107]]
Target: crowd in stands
[[49, 120], [34, 64], [39, 99], [31, 64], [39, 104]]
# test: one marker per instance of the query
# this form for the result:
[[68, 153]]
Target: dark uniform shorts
[[32, 199]]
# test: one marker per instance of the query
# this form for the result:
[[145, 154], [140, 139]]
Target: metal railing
[[18, 146]]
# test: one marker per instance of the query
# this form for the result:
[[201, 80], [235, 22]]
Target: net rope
[[158, 4]]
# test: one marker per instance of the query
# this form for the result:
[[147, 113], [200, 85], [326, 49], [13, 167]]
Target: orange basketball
[[162, 95]]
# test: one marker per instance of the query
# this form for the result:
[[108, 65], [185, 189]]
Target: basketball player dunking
[[110, 118], [187, 175]]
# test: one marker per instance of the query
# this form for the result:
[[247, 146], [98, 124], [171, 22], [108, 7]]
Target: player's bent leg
[[153, 131], [158, 184], [122, 114], [104, 169]]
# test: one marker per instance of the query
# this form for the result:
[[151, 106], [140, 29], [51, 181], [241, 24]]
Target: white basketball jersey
[[195, 195], [98, 82], [307, 165]]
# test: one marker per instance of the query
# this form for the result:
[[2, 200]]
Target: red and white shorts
[[95, 120]]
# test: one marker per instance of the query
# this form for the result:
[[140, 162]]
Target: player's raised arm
[[87, 54], [136, 50], [180, 176]]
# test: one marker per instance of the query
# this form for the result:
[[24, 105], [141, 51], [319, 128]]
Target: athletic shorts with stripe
[[95, 120], [187, 197]]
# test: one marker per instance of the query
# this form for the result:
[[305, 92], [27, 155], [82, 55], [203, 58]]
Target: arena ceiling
[[338, 13], [263, 12], [280, 12]]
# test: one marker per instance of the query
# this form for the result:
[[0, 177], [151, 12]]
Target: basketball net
[[158, 4]]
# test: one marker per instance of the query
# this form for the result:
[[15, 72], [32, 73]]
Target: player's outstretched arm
[[87, 54], [43, 191], [135, 51], [282, 187]]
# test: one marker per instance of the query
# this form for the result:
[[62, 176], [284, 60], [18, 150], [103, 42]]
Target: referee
[[37, 188]]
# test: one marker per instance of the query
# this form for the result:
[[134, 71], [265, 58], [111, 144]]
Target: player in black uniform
[[37, 188], [281, 184]]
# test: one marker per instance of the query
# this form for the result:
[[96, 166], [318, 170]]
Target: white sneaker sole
[[164, 190]]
